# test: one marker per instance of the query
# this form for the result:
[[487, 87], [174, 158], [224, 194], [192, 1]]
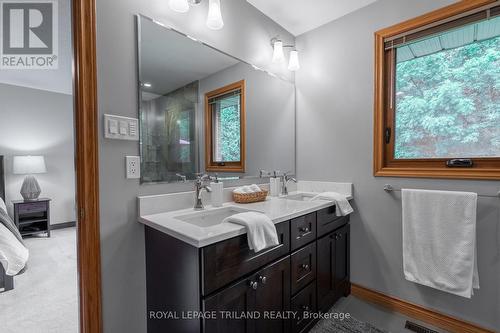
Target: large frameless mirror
[[202, 110]]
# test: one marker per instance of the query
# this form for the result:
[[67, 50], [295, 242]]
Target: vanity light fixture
[[293, 63], [279, 55], [214, 17], [147, 85]]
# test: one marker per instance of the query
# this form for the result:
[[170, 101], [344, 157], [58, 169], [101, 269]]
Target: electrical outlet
[[133, 166]]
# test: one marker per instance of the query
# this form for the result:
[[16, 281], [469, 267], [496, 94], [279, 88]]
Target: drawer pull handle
[[254, 285], [305, 267], [305, 308], [304, 230], [262, 279]]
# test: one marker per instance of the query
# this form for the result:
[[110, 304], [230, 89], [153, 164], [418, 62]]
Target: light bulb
[[214, 17], [179, 6], [278, 55], [294, 64]]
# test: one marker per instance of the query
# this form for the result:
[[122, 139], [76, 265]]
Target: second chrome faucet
[[200, 185]]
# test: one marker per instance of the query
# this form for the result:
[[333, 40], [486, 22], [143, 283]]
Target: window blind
[[479, 24]]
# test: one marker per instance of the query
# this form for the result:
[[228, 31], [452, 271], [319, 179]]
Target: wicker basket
[[250, 197]]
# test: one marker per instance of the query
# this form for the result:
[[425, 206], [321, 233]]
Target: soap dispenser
[[274, 184], [217, 189]]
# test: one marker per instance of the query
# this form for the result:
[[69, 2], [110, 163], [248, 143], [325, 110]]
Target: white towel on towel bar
[[439, 240], [261, 232]]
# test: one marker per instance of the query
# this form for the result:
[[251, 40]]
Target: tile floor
[[378, 316]]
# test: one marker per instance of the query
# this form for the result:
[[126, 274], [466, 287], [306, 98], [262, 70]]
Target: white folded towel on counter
[[343, 206], [261, 232], [247, 189], [439, 240]]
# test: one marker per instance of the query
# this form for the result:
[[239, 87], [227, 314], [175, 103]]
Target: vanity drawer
[[304, 301], [229, 260], [303, 267], [327, 220], [33, 207], [303, 230]]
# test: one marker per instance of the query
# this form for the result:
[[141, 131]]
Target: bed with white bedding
[[13, 253]]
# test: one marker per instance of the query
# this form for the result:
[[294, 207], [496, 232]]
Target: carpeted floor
[[45, 298]]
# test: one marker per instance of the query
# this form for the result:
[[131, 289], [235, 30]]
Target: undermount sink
[[209, 218], [300, 196]]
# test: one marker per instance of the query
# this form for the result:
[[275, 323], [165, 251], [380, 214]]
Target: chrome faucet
[[285, 178], [199, 186]]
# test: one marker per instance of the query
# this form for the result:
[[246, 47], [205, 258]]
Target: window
[[437, 94], [225, 128]]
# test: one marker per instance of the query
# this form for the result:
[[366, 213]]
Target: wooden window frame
[[384, 163], [210, 164]]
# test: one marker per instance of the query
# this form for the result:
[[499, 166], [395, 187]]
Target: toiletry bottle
[[217, 189], [274, 184]]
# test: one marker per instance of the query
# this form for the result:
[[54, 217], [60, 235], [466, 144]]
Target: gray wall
[[335, 112], [246, 35], [38, 122], [270, 117]]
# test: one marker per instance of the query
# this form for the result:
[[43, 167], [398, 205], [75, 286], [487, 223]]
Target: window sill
[[448, 173]]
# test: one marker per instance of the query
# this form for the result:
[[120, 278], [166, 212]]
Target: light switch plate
[[133, 167], [121, 128]]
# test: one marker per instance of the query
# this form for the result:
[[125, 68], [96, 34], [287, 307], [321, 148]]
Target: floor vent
[[418, 328]]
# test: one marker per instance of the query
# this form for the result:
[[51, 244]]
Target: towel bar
[[389, 188]]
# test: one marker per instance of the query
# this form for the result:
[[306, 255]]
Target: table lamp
[[29, 165]]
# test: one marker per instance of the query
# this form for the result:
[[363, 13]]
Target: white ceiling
[[169, 60], [300, 16]]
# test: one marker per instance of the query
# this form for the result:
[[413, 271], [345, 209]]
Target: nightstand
[[32, 217]]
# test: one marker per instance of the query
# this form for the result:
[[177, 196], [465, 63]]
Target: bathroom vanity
[[201, 275], [219, 276]]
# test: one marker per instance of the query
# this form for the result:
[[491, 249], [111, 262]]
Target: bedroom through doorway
[[39, 289]]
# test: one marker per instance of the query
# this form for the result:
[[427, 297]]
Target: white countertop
[[277, 209]]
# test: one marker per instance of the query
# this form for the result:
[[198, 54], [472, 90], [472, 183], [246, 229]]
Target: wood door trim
[[383, 164], [86, 162], [419, 312]]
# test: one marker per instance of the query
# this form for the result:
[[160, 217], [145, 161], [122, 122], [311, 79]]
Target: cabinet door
[[333, 267], [238, 299], [325, 263], [265, 291], [273, 296], [342, 260]]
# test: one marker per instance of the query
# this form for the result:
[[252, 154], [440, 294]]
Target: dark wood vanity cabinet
[[308, 271], [265, 290]]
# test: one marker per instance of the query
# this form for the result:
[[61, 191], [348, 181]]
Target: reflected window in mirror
[[225, 128]]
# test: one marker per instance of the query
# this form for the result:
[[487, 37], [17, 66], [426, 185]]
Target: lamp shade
[[214, 17], [28, 165], [278, 55], [294, 64]]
